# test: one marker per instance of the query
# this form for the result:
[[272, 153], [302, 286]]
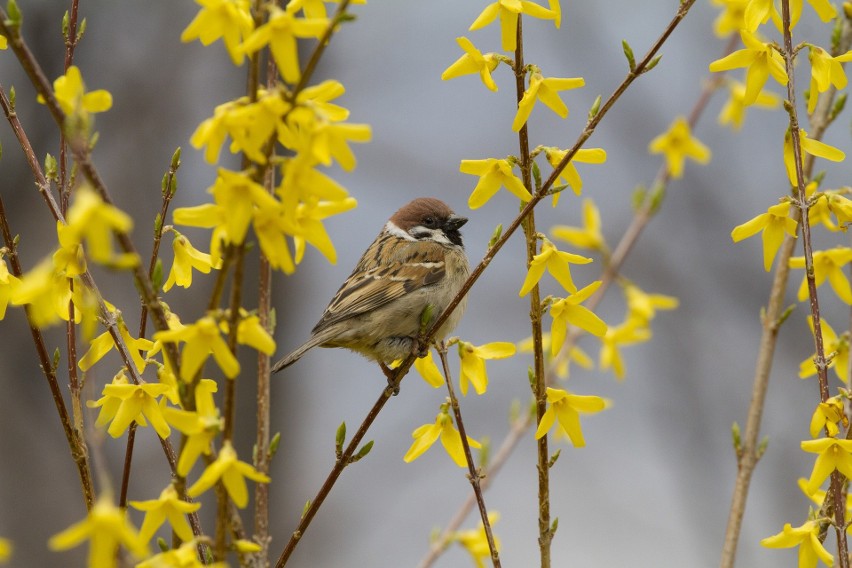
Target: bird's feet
[[390, 375]]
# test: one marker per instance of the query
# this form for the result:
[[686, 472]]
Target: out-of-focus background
[[653, 485]]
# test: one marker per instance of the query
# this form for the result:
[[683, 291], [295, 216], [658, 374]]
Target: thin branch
[[474, 474]]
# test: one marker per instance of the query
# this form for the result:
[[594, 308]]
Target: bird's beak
[[454, 223]]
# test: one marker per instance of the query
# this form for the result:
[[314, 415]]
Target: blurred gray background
[[653, 485]]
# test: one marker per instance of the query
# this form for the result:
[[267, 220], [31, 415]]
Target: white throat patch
[[392, 228]]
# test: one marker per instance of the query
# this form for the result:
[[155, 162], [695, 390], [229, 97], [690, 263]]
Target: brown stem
[[474, 474], [837, 478]]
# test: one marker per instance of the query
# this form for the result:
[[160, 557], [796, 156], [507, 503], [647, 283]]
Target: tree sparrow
[[418, 260]]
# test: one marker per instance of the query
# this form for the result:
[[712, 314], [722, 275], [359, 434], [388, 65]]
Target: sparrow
[[418, 260]]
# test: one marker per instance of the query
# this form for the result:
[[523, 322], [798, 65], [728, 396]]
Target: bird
[[415, 267]]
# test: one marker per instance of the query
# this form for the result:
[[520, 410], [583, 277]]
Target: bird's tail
[[297, 354]]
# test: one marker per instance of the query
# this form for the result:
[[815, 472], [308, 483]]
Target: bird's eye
[[429, 221]]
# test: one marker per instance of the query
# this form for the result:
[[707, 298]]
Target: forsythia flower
[[5, 543], [569, 172], [809, 146], [70, 92], [760, 58], [186, 258], [806, 537], [106, 527], [123, 403], [473, 61], [642, 307], [200, 427], [429, 370], [227, 19], [733, 112], [627, 333], [509, 10], [568, 310], [589, 236], [566, 408], [202, 339], [677, 144], [93, 220], [832, 344], [825, 72], [827, 264], [8, 283], [280, 33], [185, 556], [231, 472], [307, 225], [547, 91], [426, 435], [167, 506], [774, 223], [833, 454], [826, 416], [731, 18], [493, 173], [104, 343], [473, 363], [475, 541], [557, 263], [575, 354], [47, 293]]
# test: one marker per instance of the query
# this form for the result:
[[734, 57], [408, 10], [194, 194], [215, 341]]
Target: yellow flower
[[106, 527], [232, 472], [827, 264], [806, 537], [759, 11], [473, 61], [270, 227], [123, 403], [493, 173], [731, 18], [167, 507], [831, 344], [200, 427], [760, 58], [280, 34], [306, 226], [575, 354], [185, 556], [70, 92], [826, 416], [69, 257], [428, 434], [547, 91], [733, 112], [428, 369], [473, 363], [301, 180], [825, 72], [841, 207], [186, 258], [643, 307], [557, 263], [227, 19], [5, 543], [589, 236], [566, 408], [93, 220], [202, 339], [8, 284], [627, 333], [568, 310], [809, 146], [833, 454], [476, 542], [47, 293], [677, 144], [569, 173], [104, 343], [509, 10], [316, 8], [774, 223]]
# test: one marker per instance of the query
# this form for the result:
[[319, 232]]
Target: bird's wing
[[370, 288]]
